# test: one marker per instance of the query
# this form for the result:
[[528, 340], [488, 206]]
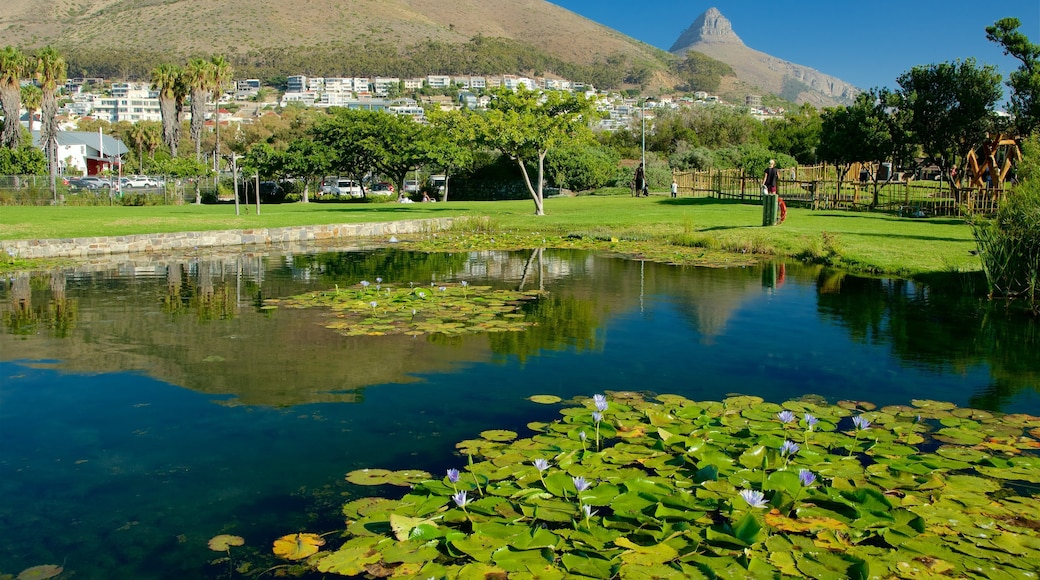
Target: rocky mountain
[[712, 34]]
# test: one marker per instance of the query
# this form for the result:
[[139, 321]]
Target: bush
[[1009, 244]]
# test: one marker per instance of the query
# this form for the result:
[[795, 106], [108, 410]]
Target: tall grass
[[1009, 244]]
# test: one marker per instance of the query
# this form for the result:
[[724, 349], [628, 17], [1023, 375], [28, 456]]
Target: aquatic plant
[[701, 490], [461, 309]]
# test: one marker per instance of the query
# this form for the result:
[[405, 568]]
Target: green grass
[[860, 241]]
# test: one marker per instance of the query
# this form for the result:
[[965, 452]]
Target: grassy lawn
[[860, 241]]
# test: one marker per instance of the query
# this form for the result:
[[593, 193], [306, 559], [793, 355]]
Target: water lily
[[600, 401], [460, 499], [373, 304], [754, 498], [583, 437], [541, 464], [443, 288], [806, 477], [860, 422], [789, 448], [421, 294], [785, 416], [597, 417], [810, 421], [464, 283], [365, 283], [379, 280], [581, 484], [453, 475]]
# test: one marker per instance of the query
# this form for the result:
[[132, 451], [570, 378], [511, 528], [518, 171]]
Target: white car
[[138, 181], [341, 187]]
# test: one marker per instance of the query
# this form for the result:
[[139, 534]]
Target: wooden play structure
[[998, 157]]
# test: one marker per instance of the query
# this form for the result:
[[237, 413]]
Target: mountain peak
[[710, 27]]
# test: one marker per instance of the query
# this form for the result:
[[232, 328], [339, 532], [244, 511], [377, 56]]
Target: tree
[[32, 99], [50, 71], [196, 78], [452, 136], [950, 107], [525, 125], [166, 79], [27, 159], [1024, 82], [308, 160], [13, 66], [868, 130], [797, 134], [400, 144], [221, 74], [348, 136]]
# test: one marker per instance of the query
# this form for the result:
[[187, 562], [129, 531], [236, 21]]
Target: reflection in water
[[111, 433]]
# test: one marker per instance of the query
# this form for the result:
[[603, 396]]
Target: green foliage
[[950, 107], [580, 167], [740, 488], [700, 72], [25, 160], [1009, 244], [376, 309], [1024, 82], [797, 134]]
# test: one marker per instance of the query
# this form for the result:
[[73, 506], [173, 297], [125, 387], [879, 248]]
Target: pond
[[149, 405]]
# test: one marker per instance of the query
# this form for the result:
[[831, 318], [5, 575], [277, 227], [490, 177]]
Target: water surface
[[147, 406]]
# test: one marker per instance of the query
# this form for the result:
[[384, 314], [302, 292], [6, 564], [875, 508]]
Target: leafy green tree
[[308, 160], [581, 167], [348, 135], [1024, 82], [400, 145], [525, 125], [453, 135], [50, 71], [950, 107], [867, 131], [166, 79], [25, 160], [32, 100], [14, 65], [136, 139], [797, 134]]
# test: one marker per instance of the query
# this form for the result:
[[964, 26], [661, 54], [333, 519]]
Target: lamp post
[[642, 119]]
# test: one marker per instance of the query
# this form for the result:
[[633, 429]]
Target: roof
[[103, 143]]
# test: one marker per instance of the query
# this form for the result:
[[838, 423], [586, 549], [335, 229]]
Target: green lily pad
[[544, 399]]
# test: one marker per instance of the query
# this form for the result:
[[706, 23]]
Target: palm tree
[[136, 136], [50, 73], [166, 79], [197, 80], [152, 137], [221, 74], [32, 98], [13, 66]]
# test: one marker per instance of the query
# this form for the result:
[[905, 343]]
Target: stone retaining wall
[[187, 241]]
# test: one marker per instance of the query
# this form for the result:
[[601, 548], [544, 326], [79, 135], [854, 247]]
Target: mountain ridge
[[712, 34]]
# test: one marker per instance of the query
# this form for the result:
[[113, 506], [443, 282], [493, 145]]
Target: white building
[[296, 84], [438, 81], [87, 152], [128, 102], [381, 86]]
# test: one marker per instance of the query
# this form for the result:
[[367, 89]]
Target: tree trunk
[[11, 102], [538, 210]]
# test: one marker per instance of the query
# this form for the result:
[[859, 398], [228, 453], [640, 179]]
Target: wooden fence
[[820, 188]]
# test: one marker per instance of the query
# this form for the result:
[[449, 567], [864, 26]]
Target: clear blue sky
[[867, 44]]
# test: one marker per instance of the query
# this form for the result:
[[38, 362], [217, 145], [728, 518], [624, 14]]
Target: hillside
[[180, 28], [712, 34]]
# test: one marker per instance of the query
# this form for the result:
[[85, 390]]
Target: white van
[[340, 187]]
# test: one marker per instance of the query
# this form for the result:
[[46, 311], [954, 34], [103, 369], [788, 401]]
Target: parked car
[[89, 182], [340, 187], [382, 188], [138, 181], [411, 186]]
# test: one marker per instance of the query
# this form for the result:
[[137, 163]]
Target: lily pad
[[40, 572], [498, 435], [544, 399], [297, 546], [223, 542]]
